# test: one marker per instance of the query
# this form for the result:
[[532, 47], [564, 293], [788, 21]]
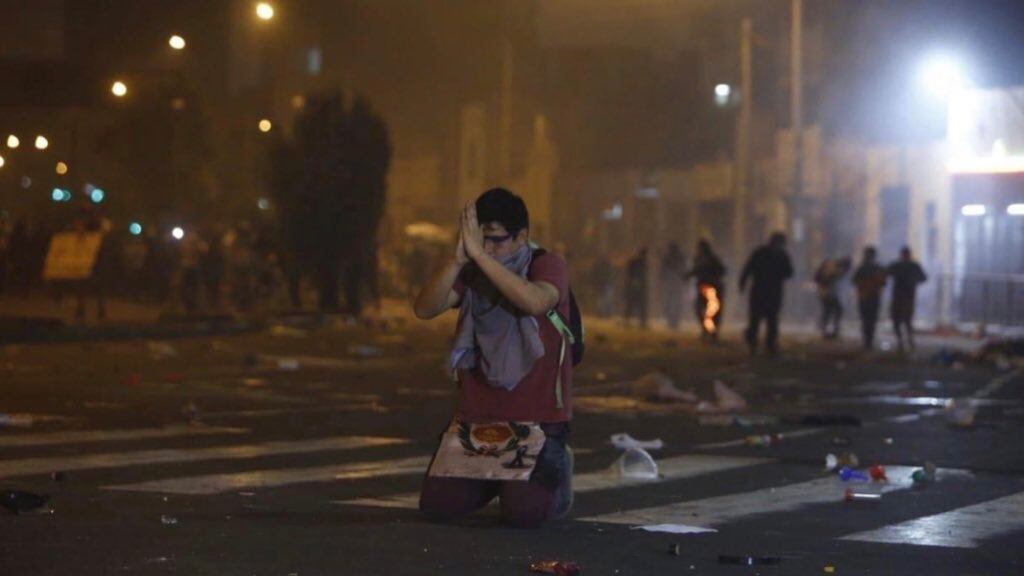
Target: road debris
[[288, 331], [749, 560], [634, 464], [675, 529], [624, 441], [726, 400], [556, 567], [658, 387], [22, 503]]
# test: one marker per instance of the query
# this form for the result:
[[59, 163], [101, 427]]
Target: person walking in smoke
[[869, 279], [906, 275], [828, 277], [673, 275], [636, 287], [708, 273], [768, 268]]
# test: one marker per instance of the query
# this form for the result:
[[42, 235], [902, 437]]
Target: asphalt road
[[295, 451]]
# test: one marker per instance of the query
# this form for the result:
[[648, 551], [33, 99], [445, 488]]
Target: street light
[[943, 76], [1, 161], [264, 11], [42, 143], [13, 142], [265, 125], [61, 168], [118, 89], [176, 42], [178, 233], [722, 93]]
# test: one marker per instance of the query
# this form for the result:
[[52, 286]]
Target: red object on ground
[[878, 473], [555, 567]]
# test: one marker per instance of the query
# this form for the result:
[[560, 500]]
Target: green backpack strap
[[567, 336]]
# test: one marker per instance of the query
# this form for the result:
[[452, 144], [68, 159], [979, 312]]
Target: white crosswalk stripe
[[963, 527], [91, 436], [28, 466], [217, 483], [672, 468], [711, 512]]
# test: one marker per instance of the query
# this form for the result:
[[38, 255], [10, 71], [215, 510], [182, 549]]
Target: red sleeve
[[552, 269]]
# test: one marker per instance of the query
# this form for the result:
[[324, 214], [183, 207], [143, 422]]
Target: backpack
[[571, 331]]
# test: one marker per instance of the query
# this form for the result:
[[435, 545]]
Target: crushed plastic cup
[[847, 474], [635, 464]]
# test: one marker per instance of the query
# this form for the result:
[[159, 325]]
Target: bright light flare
[[711, 309], [264, 11], [119, 89], [1015, 209], [13, 141], [2, 162], [943, 76], [973, 210], [135, 228], [176, 42], [178, 233], [265, 125], [61, 168], [42, 143]]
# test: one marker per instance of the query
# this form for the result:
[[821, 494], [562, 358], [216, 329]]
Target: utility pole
[[742, 153], [797, 215]]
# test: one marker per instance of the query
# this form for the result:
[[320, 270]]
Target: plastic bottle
[[847, 474]]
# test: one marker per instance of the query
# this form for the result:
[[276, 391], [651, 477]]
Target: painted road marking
[[711, 512], [87, 436], [217, 483], [673, 468], [960, 528], [29, 466]]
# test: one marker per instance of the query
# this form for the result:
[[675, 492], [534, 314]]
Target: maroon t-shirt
[[533, 399]]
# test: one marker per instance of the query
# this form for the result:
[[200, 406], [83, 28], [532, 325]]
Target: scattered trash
[[847, 474], [636, 464], [726, 400], [841, 441], [738, 421], [925, 475], [828, 420], [960, 412], [674, 550], [168, 520], [190, 411], [675, 529], [877, 473], [555, 567], [846, 459], [764, 440], [624, 441], [161, 349], [749, 560], [829, 569], [288, 331], [21, 502], [364, 351], [658, 387], [850, 496], [288, 364]]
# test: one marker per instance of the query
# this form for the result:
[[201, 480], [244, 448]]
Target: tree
[[329, 184]]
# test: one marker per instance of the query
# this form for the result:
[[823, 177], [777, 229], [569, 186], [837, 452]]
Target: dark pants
[[765, 309], [636, 305], [868, 308], [831, 316], [523, 504]]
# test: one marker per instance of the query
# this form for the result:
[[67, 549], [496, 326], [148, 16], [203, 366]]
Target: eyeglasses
[[497, 240]]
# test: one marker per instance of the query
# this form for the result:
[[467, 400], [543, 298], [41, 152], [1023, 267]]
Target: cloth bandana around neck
[[494, 335]]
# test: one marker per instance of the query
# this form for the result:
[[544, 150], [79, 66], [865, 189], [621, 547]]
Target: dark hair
[[500, 206]]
